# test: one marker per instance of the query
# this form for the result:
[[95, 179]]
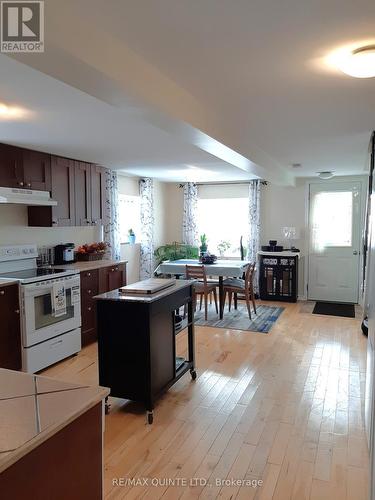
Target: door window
[[332, 219]]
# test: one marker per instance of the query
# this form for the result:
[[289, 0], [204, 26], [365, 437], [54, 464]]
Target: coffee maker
[[64, 253]]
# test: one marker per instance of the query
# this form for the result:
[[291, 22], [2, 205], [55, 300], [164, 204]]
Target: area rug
[[334, 309], [261, 322]]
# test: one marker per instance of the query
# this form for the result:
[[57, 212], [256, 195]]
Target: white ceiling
[[63, 120], [247, 73]]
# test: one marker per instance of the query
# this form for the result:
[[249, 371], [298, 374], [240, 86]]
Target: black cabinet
[[278, 277], [136, 343]]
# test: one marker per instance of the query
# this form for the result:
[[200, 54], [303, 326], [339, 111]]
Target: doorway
[[334, 241]]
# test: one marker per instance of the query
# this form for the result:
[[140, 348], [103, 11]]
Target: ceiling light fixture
[[358, 62], [325, 175]]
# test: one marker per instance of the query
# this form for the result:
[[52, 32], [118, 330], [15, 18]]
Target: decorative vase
[[132, 239], [203, 249]]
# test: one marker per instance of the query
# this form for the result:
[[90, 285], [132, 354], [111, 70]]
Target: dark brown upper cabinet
[[36, 170], [62, 191], [82, 185], [79, 189], [97, 195], [10, 166], [25, 169]]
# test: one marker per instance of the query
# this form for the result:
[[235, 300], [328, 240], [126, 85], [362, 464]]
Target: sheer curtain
[[146, 191], [111, 228], [189, 224], [254, 225]]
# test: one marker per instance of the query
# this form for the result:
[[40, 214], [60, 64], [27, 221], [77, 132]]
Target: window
[[129, 216], [224, 221], [332, 219]]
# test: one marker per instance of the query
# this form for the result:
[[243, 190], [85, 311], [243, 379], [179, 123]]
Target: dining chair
[[234, 286], [202, 287]]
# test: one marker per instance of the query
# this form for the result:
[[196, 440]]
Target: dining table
[[221, 269]]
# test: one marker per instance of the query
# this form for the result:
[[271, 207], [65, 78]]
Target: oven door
[[40, 321]]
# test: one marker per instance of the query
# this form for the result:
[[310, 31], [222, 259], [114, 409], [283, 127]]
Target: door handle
[[355, 252]]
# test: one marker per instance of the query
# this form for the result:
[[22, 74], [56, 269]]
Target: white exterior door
[[334, 241]]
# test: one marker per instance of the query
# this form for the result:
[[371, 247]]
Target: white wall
[[174, 212], [130, 186], [14, 230]]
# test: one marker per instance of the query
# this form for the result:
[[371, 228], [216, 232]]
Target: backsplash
[[14, 230]]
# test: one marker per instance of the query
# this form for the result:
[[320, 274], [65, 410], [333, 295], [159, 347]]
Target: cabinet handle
[[29, 184], [17, 311], [21, 183], [88, 275], [87, 221], [2, 292], [89, 308], [54, 221], [89, 292], [112, 270], [95, 222]]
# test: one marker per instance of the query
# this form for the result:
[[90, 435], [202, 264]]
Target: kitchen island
[[137, 342], [51, 435]]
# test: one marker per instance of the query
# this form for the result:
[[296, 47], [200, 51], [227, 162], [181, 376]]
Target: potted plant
[[131, 236], [223, 246], [93, 251], [203, 247]]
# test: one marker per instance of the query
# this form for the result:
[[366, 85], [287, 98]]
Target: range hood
[[26, 197]]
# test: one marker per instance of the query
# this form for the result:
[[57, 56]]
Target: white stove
[[50, 307]]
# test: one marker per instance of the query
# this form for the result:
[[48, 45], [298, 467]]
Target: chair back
[[196, 272], [249, 276]]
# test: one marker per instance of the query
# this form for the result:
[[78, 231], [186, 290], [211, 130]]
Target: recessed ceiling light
[[358, 62], [325, 175]]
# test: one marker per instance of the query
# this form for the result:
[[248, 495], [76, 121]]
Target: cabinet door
[[89, 288], [11, 172], [112, 277], [10, 334], [62, 174], [83, 193], [37, 170], [97, 195]]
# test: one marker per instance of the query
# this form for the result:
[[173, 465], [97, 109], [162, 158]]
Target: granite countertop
[[116, 295], [90, 265], [5, 282], [33, 408]]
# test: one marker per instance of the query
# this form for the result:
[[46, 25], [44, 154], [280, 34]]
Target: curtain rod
[[263, 183]]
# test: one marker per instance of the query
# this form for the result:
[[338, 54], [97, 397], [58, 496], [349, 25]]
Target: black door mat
[[334, 309]]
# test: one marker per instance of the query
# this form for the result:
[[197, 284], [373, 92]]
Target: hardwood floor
[[285, 408]]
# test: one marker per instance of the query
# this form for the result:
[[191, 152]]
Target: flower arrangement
[[92, 251]]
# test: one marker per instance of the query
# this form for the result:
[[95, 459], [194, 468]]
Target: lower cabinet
[[10, 331], [92, 283], [112, 277]]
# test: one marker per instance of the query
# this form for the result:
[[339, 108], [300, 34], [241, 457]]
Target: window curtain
[[146, 188], [111, 228], [190, 224], [254, 225]]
